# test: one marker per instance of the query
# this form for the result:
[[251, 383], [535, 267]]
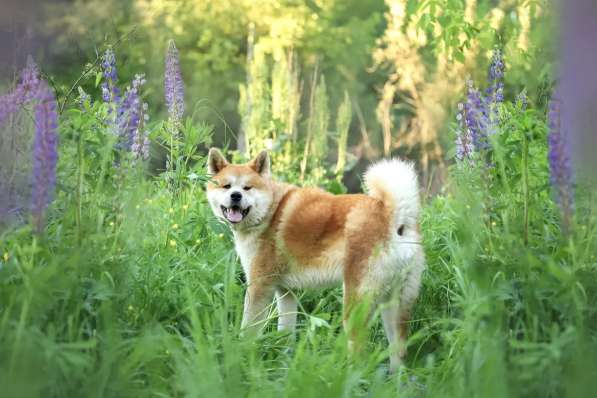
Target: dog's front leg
[[258, 298], [287, 307]]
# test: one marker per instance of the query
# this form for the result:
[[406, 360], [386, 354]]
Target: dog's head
[[239, 194]]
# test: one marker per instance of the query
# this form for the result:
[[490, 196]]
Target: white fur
[[398, 180], [287, 310], [247, 246], [311, 277]]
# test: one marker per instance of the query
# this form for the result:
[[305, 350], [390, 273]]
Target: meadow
[[117, 280]]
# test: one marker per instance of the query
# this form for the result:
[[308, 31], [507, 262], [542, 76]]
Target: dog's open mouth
[[235, 214]]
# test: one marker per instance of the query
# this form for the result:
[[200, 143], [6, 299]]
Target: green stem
[[525, 187], [79, 193]]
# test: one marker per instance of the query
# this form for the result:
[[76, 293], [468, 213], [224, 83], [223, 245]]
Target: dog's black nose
[[236, 196]]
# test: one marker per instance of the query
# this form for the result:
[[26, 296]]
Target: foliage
[[427, 49]]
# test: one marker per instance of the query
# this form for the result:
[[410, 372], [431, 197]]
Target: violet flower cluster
[[173, 84], [110, 90], [135, 117], [128, 112], [31, 89], [464, 143], [495, 77], [24, 92], [45, 153], [480, 118], [560, 165]]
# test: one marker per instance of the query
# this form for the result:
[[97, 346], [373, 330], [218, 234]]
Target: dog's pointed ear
[[215, 161], [261, 163]]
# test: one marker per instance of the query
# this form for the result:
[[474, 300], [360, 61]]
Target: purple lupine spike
[[130, 113], [25, 91], [140, 147], [464, 144], [173, 84], [560, 166], [126, 111], [495, 76], [45, 154], [495, 91], [30, 80], [118, 106], [481, 116], [476, 117], [110, 90], [145, 147]]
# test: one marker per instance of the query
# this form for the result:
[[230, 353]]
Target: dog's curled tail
[[395, 183]]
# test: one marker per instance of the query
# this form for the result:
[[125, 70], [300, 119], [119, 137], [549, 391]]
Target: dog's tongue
[[234, 215]]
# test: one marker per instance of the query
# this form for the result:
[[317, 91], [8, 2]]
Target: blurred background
[[273, 73]]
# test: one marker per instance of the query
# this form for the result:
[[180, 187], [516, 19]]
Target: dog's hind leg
[[396, 328], [358, 309], [287, 307], [395, 313]]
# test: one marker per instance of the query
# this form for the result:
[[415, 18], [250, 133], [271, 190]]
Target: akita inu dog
[[289, 237]]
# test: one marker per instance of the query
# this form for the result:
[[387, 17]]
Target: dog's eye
[[227, 186], [247, 188]]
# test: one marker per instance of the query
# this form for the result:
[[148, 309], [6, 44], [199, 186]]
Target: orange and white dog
[[291, 238]]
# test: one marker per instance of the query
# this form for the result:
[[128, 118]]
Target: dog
[[293, 238]]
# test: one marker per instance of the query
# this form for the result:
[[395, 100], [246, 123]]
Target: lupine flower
[[30, 81], [173, 84], [110, 91], [25, 91], [140, 147], [45, 153], [481, 112], [495, 76], [494, 92], [476, 117], [560, 165], [464, 144], [130, 113]]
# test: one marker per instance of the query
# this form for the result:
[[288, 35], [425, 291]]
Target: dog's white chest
[[247, 247]]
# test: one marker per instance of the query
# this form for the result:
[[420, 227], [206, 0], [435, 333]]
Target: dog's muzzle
[[235, 213]]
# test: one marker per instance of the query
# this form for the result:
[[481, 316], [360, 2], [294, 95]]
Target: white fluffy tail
[[395, 183]]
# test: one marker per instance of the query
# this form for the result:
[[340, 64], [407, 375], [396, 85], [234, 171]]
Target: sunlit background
[[251, 67]]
